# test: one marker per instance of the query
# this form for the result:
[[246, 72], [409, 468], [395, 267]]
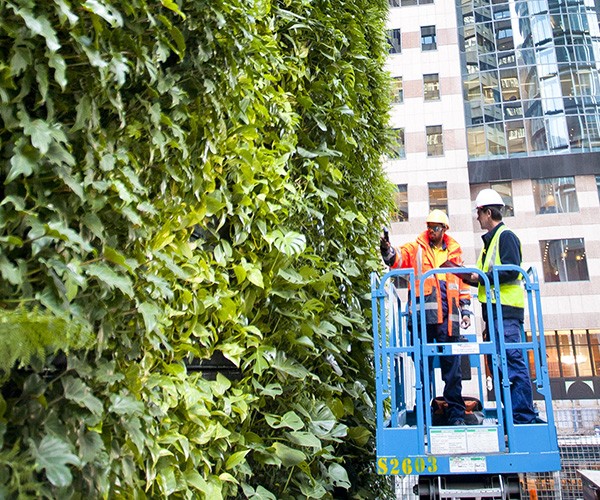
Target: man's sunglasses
[[435, 229]]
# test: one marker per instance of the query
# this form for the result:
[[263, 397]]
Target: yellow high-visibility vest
[[511, 293]]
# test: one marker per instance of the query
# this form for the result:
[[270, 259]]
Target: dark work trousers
[[518, 374], [451, 372], [521, 394]]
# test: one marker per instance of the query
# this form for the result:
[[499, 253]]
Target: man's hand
[[388, 253], [384, 246], [474, 278], [465, 322]]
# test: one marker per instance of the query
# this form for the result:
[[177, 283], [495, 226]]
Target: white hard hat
[[488, 197], [438, 216]]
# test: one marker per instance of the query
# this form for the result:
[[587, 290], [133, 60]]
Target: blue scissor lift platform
[[408, 442]]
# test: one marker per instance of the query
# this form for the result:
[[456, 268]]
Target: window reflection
[[544, 57], [401, 203], [564, 260], [438, 196], [555, 195], [431, 87], [435, 146], [557, 132], [566, 355], [397, 90], [515, 135], [571, 353], [398, 146], [496, 138]]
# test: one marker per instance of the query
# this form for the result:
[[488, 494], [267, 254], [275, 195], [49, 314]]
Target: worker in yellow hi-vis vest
[[502, 246]]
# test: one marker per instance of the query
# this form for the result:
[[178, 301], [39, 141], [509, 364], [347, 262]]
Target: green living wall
[[182, 180]]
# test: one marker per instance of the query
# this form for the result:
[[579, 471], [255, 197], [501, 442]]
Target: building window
[[504, 189], [428, 39], [398, 148], [435, 146], [401, 202], [556, 195], [438, 196], [431, 87], [397, 90], [394, 3], [564, 260], [571, 353], [395, 41]]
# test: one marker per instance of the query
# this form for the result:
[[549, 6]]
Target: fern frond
[[26, 333]]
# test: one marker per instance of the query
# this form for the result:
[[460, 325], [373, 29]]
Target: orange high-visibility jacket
[[419, 255]]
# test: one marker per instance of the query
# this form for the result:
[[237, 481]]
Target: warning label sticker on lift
[[454, 441], [468, 464], [469, 348]]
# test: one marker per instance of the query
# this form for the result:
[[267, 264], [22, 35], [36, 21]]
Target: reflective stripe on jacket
[[511, 293], [419, 255]]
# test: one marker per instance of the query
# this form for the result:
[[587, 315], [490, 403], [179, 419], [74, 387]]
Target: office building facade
[[505, 94]]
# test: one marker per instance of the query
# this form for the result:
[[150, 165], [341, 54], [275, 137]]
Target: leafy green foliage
[[25, 334], [127, 127]]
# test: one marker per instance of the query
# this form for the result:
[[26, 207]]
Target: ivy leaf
[[171, 5], [305, 439], [66, 11], [115, 256], [10, 272], [235, 459], [338, 476], [312, 489], [150, 313], [324, 424], [20, 60], [221, 384], [289, 456], [289, 366], [125, 405], [255, 277], [290, 419], [90, 446], [77, 391], [194, 478], [21, 164], [40, 26], [58, 63], [106, 275], [261, 493], [360, 435], [305, 153], [108, 13], [240, 273], [40, 133], [60, 230], [53, 455], [291, 276], [272, 390]]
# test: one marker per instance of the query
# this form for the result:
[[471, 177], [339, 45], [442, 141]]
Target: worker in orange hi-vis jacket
[[446, 297]]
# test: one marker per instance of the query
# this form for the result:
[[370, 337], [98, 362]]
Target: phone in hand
[[386, 234]]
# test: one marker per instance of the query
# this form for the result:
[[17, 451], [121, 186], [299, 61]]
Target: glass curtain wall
[[530, 76]]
